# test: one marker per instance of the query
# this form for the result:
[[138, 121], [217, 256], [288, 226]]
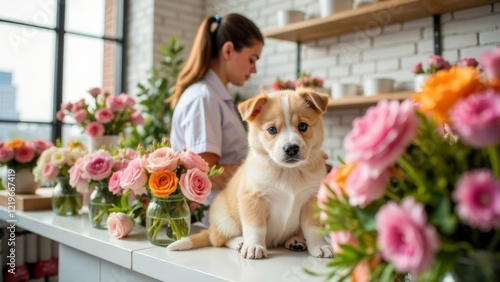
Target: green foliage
[[158, 115]]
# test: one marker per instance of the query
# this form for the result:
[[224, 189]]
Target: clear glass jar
[[66, 200], [100, 201], [167, 219]]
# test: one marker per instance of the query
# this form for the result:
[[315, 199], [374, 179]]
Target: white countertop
[[136, 253]]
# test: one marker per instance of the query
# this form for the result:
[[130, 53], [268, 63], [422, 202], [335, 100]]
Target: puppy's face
[[286, 125]]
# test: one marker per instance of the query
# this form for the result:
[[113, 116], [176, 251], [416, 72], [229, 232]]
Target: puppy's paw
[[323, 251], [255, 251], [296, 244], [235, 243]]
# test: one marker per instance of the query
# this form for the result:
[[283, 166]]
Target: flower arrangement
[[19, 154], [162, 172], [108, 114], [57, 160], [280, 84], [437, 62], [414, 200], [304, 80]]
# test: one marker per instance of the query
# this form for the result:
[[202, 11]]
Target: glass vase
[[65, 199], [478, 266], [167, 219], [100, 201]]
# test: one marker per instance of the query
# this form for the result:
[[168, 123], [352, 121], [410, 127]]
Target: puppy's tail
[[199, 240]]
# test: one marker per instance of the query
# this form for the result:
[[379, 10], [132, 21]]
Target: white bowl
[[284, 17], [328, 7], [340, 90], [374, 86]]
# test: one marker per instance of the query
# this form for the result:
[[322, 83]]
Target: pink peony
[[25, 153], [405, 238], [378, 138], [162, 159], [114, 182], [195, 185], [134, 177], [80, 115], [115, 103], [6, 154], [491, 63], [94, 129], [190, 159], [104, 115], [477, 194], [362, 188], [476, 119], [119, 224], [98, 165]]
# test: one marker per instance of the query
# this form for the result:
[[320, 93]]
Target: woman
[[205, 118]]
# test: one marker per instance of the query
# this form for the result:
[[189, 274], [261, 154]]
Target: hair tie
[[218, 18]]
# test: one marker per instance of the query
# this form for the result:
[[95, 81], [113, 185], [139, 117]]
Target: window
[[54, 51]]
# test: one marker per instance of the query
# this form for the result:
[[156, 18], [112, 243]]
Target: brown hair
[[235, 28]]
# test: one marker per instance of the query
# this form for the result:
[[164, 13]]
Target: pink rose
[[325, 191], [25, 153], [378, 138], [80, 115], [195, 185], [477, 194], [190, 159], [104, 115], [136, 118], [75, 177], [162, 159], [40, 145], [491, 63], [60, 115], [6, 154], [94, 129], [476, 119], [98, 165], [119, 225], [127, 100], [363, 189], [338, 238], [405, 238], [467, 62], [114, 182], [134, 177], [94, 91], [417, 68], [50, 171], [114, 103], [436, 61]]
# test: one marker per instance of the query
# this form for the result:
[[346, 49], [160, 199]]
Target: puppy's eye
[[272, 130], [303, 126]]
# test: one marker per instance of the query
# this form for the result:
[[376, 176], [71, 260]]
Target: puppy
[[269, 200]]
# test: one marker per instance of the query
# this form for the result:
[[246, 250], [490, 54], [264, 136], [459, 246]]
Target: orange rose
[[163, 183], [14, 143], [443, 89], [342, 174]]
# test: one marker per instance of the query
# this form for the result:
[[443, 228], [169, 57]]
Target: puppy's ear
[[315, 100], [250, 108]]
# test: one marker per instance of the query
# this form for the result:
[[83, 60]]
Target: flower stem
[[495, 160], [100, 215], [493, 243]]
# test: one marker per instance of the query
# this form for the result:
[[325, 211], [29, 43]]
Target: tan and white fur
[[269, 201]]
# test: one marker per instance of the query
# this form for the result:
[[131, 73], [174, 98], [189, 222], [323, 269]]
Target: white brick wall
[[370, 50]]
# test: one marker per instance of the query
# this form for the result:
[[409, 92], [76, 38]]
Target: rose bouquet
[[18, 153], [99, 170], [53, 165], [307, 80], [170, 178], [413, 199], [108, 114], [280, 84]]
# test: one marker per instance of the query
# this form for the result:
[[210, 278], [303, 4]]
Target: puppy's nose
[[291, 149]]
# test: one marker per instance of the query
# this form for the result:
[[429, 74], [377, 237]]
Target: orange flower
[[343, 174], [443, 89], [163, 183], [14, 143]]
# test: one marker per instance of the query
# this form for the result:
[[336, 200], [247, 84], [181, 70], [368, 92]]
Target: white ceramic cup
[[328, 7], [340, 90], [284, 17], [374, 86]]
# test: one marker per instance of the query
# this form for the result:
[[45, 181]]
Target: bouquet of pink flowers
[[108, 114], [162, 172], [306, 80], [437, 62], [419, 198], [56, 161], [280, 84], [19, 153]]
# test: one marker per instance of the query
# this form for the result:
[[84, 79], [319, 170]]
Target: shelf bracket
[[298, 58], [437, 34]]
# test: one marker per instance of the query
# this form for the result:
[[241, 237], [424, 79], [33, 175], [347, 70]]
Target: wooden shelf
[[360, 101], [381, 13]]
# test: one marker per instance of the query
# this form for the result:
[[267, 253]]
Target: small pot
[[374, 86], [328, 7], [340, 90], [284, 17]]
